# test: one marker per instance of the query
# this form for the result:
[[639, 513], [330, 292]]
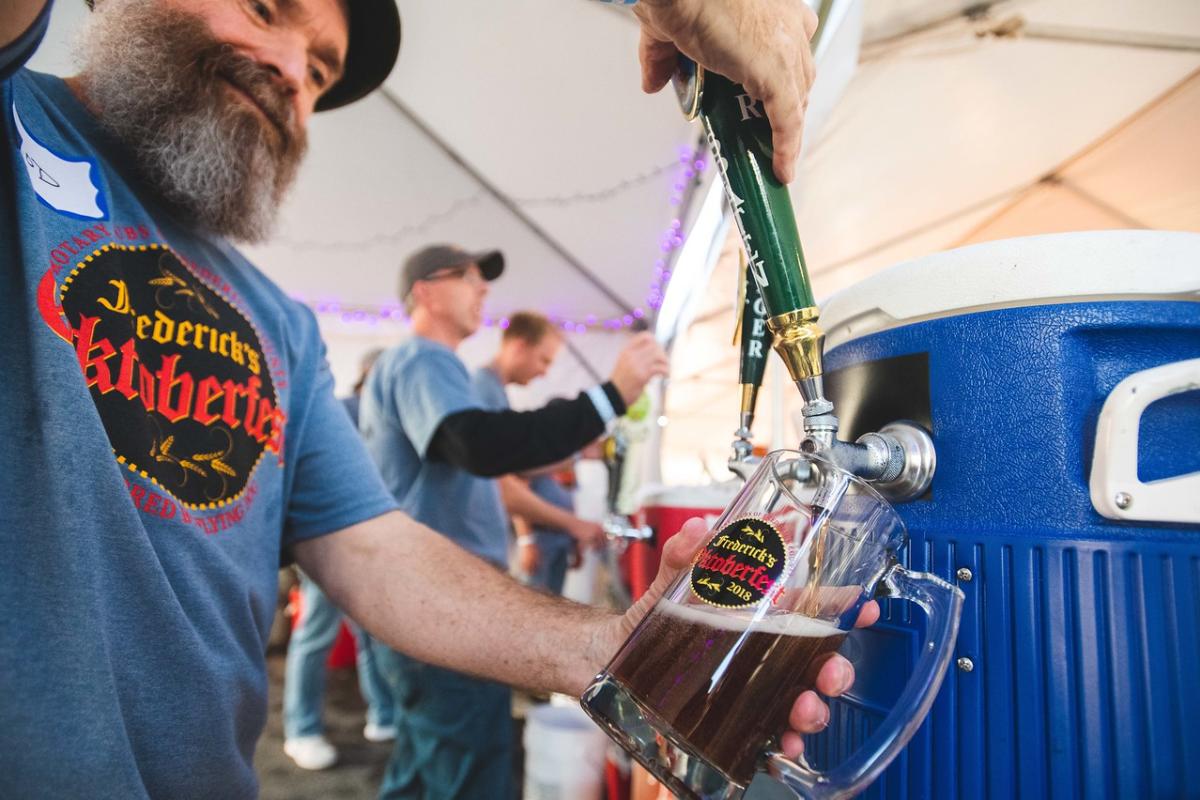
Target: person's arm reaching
[[420, 593], [492, 443], [549, 469], [761, 44], [522, 501]]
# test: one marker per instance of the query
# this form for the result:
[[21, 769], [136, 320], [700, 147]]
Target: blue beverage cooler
[[1060, 379]]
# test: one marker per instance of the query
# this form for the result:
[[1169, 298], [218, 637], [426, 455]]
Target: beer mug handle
[[942, 604]]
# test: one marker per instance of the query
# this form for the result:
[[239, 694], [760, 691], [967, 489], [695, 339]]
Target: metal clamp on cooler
[[899, 460]]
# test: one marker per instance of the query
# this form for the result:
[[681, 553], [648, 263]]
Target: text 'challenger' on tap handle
[[740, 135]]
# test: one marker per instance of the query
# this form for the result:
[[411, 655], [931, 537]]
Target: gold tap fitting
[[799, 341]]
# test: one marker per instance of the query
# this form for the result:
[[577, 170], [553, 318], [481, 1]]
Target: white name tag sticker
[[64, 184]]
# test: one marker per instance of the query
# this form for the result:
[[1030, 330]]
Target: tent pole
[[1081, 35]]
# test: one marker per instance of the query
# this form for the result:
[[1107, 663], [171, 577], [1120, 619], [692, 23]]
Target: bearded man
[[174, 426]]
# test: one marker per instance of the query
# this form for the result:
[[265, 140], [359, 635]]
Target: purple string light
[[692, 163]]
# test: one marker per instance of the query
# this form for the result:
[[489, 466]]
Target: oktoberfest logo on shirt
[[177, 372]]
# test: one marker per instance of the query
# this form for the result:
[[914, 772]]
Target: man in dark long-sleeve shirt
[[438, 450], [528, 348]]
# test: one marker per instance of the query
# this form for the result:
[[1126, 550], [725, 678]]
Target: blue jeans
[[454, 734], [554, 556], [304, 676]]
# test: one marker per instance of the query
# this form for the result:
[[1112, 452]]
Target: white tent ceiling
[[540, 120], [520, 125]]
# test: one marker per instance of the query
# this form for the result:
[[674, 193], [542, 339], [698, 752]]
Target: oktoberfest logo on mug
[[738, 567]]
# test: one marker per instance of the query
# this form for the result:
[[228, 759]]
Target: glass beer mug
[[702, 688]]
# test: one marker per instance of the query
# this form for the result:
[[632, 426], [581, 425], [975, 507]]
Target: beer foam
[[737, 621]]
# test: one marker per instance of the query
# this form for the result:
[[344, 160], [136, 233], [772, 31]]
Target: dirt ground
[[360, 765]]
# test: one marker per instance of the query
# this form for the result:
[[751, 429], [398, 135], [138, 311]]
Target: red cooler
[[665, 509]]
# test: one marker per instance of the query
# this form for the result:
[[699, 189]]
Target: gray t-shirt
[[411, 389], [171, 426], [490, 389]]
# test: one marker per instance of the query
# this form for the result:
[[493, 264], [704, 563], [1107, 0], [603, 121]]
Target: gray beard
[[160, 84]]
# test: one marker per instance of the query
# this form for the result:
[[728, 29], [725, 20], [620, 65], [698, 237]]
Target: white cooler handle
[[1116, 491]]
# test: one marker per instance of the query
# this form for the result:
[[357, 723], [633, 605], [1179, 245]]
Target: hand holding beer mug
[[703, 686]]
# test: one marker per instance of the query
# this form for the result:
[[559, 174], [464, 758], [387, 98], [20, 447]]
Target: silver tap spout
[[812, 388], [618, 527], [742, 461], [745, 467], [899, 460]]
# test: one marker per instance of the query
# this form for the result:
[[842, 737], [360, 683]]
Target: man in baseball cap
[[178, 426], [439, 446], [374, 28], [177, 462], [211, 99]]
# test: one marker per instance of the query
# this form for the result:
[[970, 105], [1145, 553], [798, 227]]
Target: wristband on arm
[[604, 406]]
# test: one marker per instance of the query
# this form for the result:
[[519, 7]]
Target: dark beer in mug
[[721, 681]]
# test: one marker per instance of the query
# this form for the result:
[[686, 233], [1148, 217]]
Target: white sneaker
[[311, 752], [379, 733]]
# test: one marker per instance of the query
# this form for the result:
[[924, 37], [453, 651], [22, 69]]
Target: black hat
[[370, 54], [437, 257]]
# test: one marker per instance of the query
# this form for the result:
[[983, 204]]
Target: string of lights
[[690, 164], [597, 195], [462, 203]]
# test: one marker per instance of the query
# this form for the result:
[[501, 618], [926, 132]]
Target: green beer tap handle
[[740, 135]]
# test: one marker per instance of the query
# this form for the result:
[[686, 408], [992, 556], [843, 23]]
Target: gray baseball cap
[[437, 257]]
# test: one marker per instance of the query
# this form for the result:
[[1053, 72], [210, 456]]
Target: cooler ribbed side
[[1085, 679]]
